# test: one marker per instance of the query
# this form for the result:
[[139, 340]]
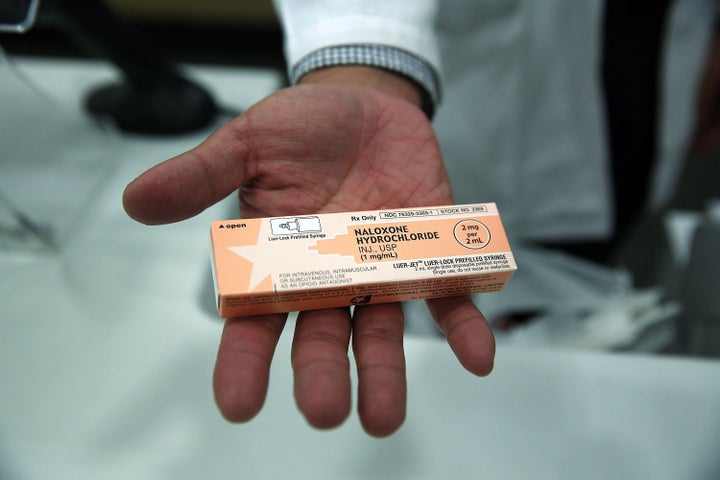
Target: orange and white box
[[307, 262]]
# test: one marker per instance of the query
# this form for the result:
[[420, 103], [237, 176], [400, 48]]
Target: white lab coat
[[534, 138], [521, 121], [313, 24]]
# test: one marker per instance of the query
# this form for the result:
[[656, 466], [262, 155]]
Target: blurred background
[[222, 31], [108, 331]]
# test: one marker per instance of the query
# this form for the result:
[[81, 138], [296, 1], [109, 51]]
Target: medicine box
[[307, 262]]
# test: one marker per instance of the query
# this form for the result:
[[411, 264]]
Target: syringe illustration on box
[[285, 226]]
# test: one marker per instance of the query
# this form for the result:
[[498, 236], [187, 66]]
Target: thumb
[[184, 186]]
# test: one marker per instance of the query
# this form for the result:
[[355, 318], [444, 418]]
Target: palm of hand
[[304, 149], [315, 149]]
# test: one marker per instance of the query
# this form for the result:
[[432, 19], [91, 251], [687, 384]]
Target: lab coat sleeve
[[311, 25]]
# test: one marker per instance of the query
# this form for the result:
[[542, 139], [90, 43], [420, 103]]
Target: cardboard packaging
[[308, 262]]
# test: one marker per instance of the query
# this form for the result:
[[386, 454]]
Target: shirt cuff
[[381, 56]]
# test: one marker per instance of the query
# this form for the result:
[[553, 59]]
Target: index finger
[[242, 368]]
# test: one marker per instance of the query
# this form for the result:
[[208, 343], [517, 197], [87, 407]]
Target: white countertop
[[107, 350]]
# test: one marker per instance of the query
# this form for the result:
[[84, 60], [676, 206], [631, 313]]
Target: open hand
[[308, 149]]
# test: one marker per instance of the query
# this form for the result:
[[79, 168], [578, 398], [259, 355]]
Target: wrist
[[380, 79]]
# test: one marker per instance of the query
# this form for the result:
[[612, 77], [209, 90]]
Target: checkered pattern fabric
[[382, 56]]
